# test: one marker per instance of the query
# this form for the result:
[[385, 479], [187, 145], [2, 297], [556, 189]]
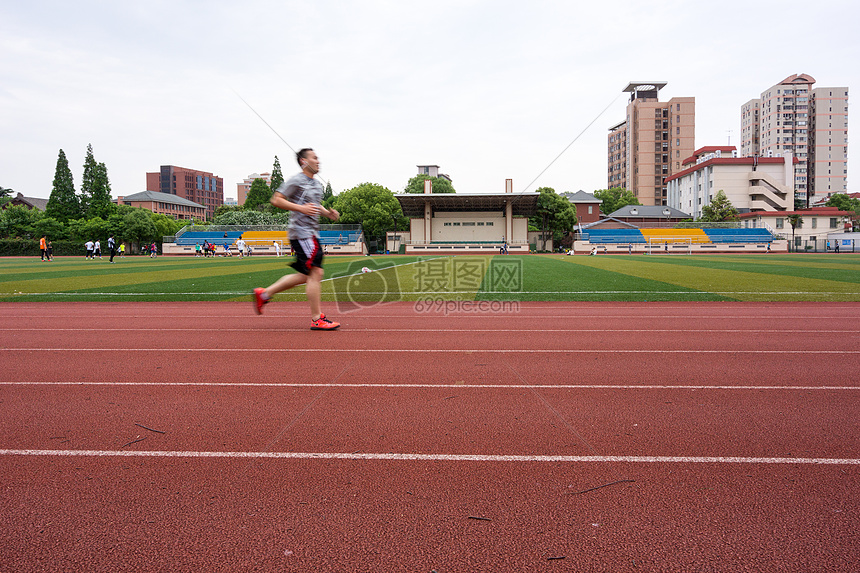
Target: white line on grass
[[434, 457]]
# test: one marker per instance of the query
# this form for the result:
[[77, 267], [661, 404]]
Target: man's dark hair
[[302, 154]]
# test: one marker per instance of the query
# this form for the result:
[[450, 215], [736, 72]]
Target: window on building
[[815, 222], [833, 222], [780, 223]]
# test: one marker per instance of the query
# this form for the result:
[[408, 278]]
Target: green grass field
[[795, 277]]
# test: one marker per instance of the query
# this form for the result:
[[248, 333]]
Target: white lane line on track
[[439, 386], [442, 350], [435, 457], [457, 330], [518, 315]]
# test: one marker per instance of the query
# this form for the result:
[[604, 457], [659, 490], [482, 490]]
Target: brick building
[[165, 203], [199, 187]]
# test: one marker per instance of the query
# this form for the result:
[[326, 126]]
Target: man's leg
[[286, 282], [313, 289]]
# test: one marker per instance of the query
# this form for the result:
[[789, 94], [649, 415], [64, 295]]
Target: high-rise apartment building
[[828, 141], [244, 187], [200, 187], [811, 124], [651, 143]]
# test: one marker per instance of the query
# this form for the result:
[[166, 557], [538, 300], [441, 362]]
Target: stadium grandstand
[[262, 239], [684, 238]]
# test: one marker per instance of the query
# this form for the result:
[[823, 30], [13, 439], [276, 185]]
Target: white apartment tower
[[811, 124]]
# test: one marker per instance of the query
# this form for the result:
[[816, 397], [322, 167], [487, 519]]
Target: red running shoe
[[322, 323], [258, 300]]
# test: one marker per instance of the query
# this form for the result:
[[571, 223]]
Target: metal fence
[[800, 245]]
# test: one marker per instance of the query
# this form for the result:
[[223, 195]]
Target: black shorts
[[308, 254]]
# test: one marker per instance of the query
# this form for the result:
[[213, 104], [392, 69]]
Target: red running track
[[550, 437]]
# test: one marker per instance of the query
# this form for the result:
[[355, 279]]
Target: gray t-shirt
[[301, 189]]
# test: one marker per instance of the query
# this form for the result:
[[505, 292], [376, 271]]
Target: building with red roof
[[750, 183]]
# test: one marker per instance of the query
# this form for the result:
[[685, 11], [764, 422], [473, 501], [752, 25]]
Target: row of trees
[[77, 216]]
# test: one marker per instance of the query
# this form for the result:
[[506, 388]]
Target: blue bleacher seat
[[615, 236], [739, 235]]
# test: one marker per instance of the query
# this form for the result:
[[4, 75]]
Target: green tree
[[63, 204], [371, 205], [277, 175], [165, 225], [795, 221], [720, 209], [555, 216], [50, 228], [440, 184], [844, 202], [243, 217], [100, 204], [93, 229], [258, 196], [221, 209], [614, 199], [138, 227], [328, 200], [87, 180], [5, 195], [18, 221]]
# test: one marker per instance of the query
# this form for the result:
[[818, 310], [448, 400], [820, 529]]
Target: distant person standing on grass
[[50, 252], [98, 250], [153, 250], [43, 246], [302, 195], [89, 247], [112, 247], [122, 251]]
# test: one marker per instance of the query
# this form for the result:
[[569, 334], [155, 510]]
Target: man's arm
[[281, 202]]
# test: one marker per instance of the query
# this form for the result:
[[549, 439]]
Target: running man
[[301, 194]]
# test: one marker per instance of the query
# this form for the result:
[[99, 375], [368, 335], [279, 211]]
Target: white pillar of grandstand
[[428, 213], [509, 210]]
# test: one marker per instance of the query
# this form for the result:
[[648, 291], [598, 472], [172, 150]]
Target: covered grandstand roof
[[524, 204], [648, 212]]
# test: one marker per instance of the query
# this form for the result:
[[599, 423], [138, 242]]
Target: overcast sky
[[487, 90]]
